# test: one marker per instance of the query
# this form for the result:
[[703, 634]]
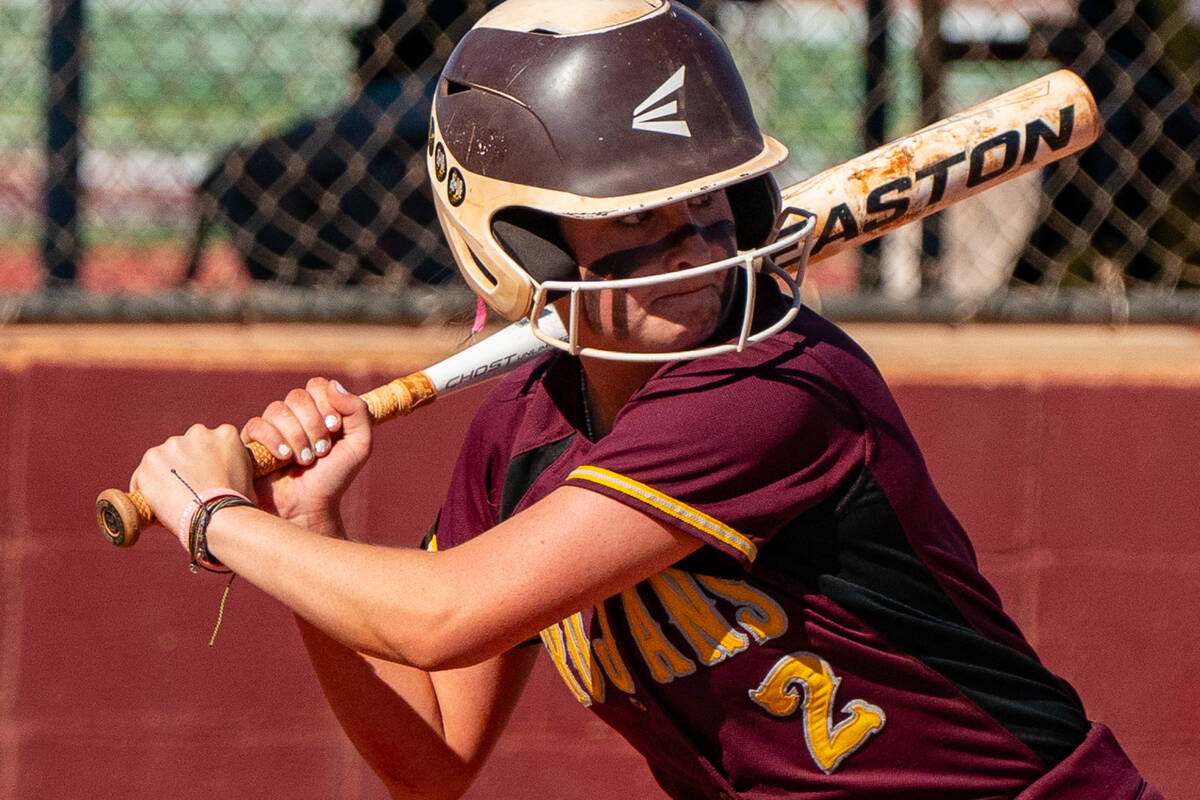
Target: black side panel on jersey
[[429, 541], [852, 549], [524, 469]]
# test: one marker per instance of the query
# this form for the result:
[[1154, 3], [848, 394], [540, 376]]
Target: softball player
[[708, 508]]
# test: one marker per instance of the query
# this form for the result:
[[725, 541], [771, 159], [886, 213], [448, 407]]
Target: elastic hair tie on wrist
[[193, 522]]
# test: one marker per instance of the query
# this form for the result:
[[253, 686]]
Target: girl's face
[[665, 316]]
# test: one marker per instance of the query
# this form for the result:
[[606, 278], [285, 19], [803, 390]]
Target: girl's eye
[[637, 218]]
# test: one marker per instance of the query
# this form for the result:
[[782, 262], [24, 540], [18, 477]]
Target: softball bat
[[920, 174]]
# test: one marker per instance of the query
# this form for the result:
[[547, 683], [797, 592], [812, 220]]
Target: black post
[[64, 116], [931, 62], [878, 92]]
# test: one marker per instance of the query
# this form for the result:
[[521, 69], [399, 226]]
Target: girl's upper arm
[[426, 735], [476, 703], [572, 549]]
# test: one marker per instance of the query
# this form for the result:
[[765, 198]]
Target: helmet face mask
[[587, 110], [749, 263]]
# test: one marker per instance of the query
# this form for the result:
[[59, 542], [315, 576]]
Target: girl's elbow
[[438, 640], [444, 647]]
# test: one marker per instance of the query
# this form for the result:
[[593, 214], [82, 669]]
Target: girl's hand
[[203, 458], [326, 432]]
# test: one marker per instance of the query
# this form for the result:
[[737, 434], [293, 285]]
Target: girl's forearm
[[376, 600]]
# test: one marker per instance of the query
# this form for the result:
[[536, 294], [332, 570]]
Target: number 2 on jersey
[[828, 744]]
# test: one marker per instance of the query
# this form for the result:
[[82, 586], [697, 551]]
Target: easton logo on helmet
[[648, 116]]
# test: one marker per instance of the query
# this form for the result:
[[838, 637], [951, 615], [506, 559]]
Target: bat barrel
[[920, 174]]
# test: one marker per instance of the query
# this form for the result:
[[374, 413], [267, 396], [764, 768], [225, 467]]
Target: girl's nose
[[692, 249]]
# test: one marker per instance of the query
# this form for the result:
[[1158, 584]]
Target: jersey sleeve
[[472, 501], [730, 453]]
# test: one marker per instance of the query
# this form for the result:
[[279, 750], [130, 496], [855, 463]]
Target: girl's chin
[[666, 335]]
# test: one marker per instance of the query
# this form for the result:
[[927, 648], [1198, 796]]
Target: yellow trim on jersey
[[668, 505]]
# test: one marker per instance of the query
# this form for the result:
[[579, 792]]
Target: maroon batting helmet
[[588, 109]]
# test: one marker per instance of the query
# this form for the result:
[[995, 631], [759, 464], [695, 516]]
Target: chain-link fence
[[263, 158]]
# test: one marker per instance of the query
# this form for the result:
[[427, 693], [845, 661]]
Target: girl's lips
[[694, 303]]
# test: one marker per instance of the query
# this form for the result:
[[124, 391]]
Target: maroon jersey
[[833, 636]]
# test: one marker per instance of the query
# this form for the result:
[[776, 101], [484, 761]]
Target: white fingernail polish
[[284, 451], [338, 386], [331, 422], [305, 455], [322, 447]]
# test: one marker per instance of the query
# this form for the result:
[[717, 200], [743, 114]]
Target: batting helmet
[[590, 110]]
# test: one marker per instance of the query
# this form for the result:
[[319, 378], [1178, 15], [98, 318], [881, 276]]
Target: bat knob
[[118, 517]]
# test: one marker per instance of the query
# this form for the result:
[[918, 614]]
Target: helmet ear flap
[[533, 240], [755, 205]]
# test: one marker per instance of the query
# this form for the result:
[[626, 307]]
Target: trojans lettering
[[589, 667]]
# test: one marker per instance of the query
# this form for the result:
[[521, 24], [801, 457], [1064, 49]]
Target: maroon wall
[[1079, 490]]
